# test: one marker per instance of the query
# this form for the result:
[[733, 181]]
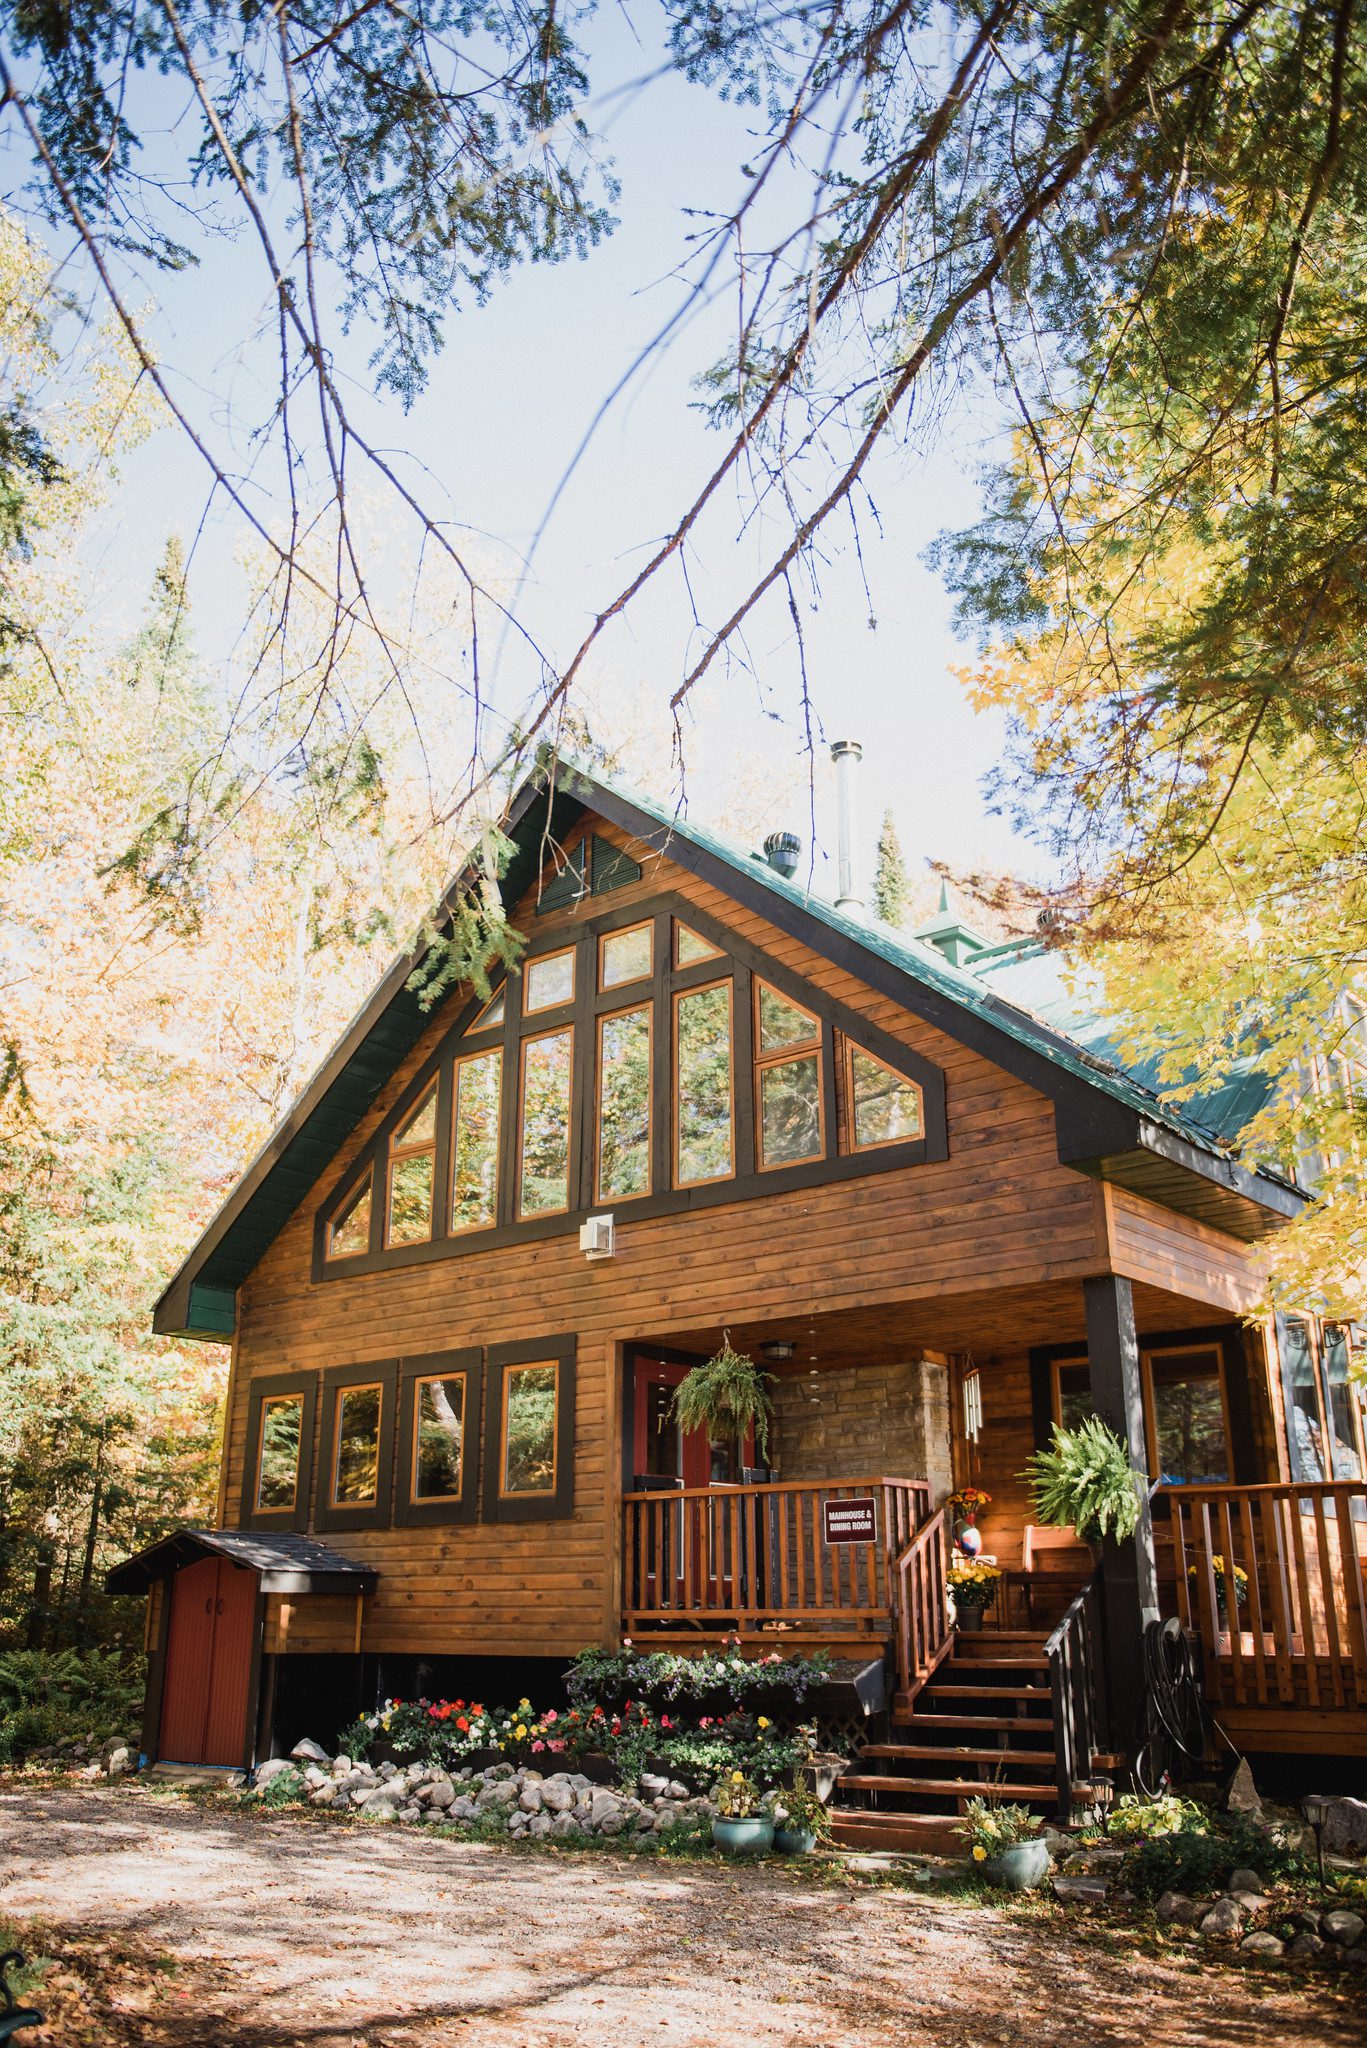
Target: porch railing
[[747, 1556], [921, 1613], [1078, 1688], [1271, 1578]]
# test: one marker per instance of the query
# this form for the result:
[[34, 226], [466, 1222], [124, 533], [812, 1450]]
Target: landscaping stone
[[497, 1795], [440, 1793], [1241, 1794], [1080, 1891], [410, 1812], [1343, 1927], [272, 1768], [1251, 1902], [529, 1798], [606, 1806], [1261, 1945], [540, 1824], [308, 1752], [1307, 1945], [324, 1794], [1223, 1920], [1177, 1906], [1245, 1881], [1306, 1922], [341, 1765], [557, 1795], [1345, 1827], [118, 1763], [463, 1809], [564, 1826]]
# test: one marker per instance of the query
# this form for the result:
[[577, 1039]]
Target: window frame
[[527, 1039], [605, 1017], [615, 989], [411, 1512], [337, 1380], [1147, 1354], [764, 1062], [259, 1391], [397, 1154], [462, 1059], [500, 1359], [849, 1047], [1316, 1327], [678, 996]]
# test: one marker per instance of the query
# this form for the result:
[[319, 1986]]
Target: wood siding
[[1000, 1212]]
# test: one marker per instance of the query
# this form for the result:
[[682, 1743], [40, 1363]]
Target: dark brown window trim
[[304, 1385], [382, 1372], [743, 961], [497, 1506], [410, 1513]]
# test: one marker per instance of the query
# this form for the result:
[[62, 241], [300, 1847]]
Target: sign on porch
[[849, 1521]]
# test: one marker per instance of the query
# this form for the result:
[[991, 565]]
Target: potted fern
[[1085, 1481], [727, 1396]]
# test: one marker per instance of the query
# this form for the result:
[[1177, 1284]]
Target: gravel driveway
[[305, 1932]]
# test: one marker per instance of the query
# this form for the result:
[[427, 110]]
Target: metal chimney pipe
[[847, 754]]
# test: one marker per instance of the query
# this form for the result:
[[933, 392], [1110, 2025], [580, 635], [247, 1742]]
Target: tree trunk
[[92, 1531], [40, 1607]]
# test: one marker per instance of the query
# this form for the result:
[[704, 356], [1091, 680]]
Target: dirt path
[[333, 1937]]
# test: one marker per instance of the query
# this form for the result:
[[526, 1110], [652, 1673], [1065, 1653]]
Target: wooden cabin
[[464, 1276]]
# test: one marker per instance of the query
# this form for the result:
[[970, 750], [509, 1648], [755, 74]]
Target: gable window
[[884, 1107], [476, 1098], [349, 1231], [277, 1472], [491, 1014], [789, 1119], [356, 1448], [548, 981], [704, 1147], [624, 1043], [412, 1166], [544, 1151], [624, 957], [690, 947], [1188, 1428], [439, 1437]]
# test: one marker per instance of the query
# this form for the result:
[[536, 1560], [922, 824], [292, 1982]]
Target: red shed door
[[208, 1664]]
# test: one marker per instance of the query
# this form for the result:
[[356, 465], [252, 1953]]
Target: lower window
[[279, 1452], [529, 1431], [439, 1414], [354, 1485], [1187, 1425]]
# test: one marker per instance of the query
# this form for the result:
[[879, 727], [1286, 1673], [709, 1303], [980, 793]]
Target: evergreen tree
[[890, 875]]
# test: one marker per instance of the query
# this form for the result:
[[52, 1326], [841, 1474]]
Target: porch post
[[1131, 1579]]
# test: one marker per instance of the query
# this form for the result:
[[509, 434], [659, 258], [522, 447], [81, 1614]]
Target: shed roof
[[286, 1563]]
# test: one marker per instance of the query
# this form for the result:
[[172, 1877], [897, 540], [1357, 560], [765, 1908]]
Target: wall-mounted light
[[778, 1348], [598, 1237]]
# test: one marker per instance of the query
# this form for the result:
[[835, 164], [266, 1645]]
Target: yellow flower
[[979, 1853], [519, 1731], [761, 1723], [737, 1777]]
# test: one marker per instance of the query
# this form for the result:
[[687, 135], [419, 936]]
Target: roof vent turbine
[[782, 850]]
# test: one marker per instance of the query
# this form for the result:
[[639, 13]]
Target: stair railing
[[923, 1631], [1077, 1683]]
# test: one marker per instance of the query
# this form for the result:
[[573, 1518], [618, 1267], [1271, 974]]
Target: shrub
[[598, 1676], [54, 1697], [990, 1827], [1202, 1861], [1140, 1820], [284, 1789]]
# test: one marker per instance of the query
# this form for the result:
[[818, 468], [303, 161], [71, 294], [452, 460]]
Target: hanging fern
[[1085, 1481], [725, 1397]]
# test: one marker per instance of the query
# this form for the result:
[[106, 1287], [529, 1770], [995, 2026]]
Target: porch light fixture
[[598, 1237], [777, 1348]]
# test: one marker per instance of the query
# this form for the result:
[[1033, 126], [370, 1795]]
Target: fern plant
[[725, 1396], [1085, 1481]]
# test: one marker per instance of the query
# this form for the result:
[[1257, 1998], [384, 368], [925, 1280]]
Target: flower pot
[[1019, 1868], [479, 1759], [597, 1768], [968, 1620], [794, 1841], [753, 1837], [823, 1777]]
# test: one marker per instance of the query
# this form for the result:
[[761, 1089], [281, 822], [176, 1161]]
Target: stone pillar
[[1131, 1579]]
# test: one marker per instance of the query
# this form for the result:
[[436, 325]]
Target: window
[[529, 1431], [690, 948], [1072, 1391], [356, 1448], [625, 957], [527, 1464], [349, 1231], [491, 1014], [438, 1461], [548, 981], [476, 1097], [884, 1107], [1188, 1430], [439, 1438], [703, 1118], [624, 1104], [544, 1156], [277, 1464], [789, 1119], [412, 1165], [277, 1475], [1324, 1419]]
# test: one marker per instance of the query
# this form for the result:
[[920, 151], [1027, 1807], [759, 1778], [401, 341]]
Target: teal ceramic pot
[[752, 1837], [1020, 1868], [794, 1841]]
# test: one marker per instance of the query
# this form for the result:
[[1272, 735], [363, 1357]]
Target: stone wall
[[867, 1421]]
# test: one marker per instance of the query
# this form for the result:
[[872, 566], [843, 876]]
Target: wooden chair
[[1052, 1561]]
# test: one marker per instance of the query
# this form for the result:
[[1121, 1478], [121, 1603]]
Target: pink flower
[[537, 1746], [552, 1716]]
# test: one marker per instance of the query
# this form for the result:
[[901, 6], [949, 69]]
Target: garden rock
[[1345, 1827], [653, 1787], [497, 1771], [676, 1790], [308, 1752], [540, 1824], [410, 1812], [118, 1763], [1261, 1945], [606, 1806], [557, 1795], [564, 1826], [1080, 1891], [342, 1765], [272, 1768], [1307, 1945], [1245, 1881], [1251, 1902], [324, 1794], [493, 1796], [441, 1793], [463, 1809], [1177, 1906], [1343, 1927], [1224, 1919], [387, 1771], [529, 1798], [1241, 1794]]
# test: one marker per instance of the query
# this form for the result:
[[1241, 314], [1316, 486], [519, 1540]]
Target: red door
[[208, 1664], [697, 1532], [663, 1450]]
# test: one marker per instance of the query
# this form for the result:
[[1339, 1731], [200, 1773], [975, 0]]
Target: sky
[[510, 398]]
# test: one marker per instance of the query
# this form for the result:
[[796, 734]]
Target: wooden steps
[[907, 1793]]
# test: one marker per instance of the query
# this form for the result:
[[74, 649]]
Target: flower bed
[[715, 1680]]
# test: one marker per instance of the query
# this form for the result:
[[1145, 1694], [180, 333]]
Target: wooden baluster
[[1255, 1600], [1309, 1633], [1225, 1523], [800, 1503], [1179, 1557], [1354, 1590], [782, 1509], [1272, 1508], [733, 1518], [1328, 1591], [1205, 1579]]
